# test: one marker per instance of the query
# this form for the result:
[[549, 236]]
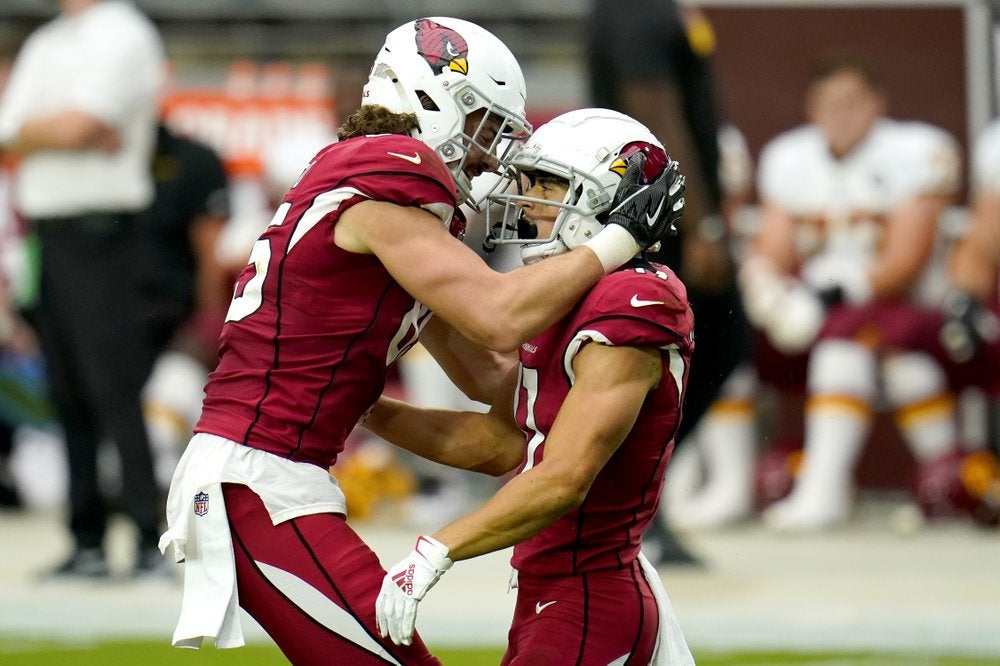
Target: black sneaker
[[9, 497], [663, 549], [83, 564], [150, 564]]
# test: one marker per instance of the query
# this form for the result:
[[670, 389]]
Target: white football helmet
[[443, 69], [587, 148]]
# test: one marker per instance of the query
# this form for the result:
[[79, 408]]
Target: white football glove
[[405, 585], [789, 313], [797, 319]]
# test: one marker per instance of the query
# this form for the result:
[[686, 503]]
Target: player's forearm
[[69, 130], [535, 297], [775, 241], [449, 437], [893, 279], [976, 258], [529, 503], [477, 371], [974, 270], [496, 310], [213, 288], [910, 234]]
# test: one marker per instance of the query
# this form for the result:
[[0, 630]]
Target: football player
[[970, 337], [359, 254], [850, 209], [971, 330], [587, 419]]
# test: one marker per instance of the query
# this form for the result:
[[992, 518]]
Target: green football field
[[14, 652]]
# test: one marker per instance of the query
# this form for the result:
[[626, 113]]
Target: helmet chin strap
[[574, 231], [526, 228], [577, 229], [535, 252]]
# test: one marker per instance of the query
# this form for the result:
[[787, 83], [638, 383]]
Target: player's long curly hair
[[375, 119]]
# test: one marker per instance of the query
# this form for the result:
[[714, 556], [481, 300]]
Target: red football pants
[[594, 618], [311, 583]]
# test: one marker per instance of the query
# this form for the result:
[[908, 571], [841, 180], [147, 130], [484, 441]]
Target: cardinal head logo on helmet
[[656, 160], [441, 47]]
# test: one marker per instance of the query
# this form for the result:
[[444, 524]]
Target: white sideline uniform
[[986, 158], [839, 204]]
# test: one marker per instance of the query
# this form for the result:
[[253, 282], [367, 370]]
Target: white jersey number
[[528, 379], [248, 300]]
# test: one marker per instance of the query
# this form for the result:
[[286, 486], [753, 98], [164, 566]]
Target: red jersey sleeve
[[386, 167], [640, 305]]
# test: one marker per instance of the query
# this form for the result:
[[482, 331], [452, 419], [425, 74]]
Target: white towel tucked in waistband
[[671, 648], [198, 528]]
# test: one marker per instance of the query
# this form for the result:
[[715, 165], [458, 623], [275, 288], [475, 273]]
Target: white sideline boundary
[[936, 591]]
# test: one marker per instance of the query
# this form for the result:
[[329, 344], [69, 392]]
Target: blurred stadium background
[[248, 73]]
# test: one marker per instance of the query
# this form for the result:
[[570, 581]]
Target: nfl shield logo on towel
[[200, 504]]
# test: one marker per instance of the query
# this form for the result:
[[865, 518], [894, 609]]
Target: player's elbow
[[81, 131], [515, 325], [506, 453], [501, 318], [506, 342], [491, 336], [497, 465], [495, 328], [567, 497], [569, 490]]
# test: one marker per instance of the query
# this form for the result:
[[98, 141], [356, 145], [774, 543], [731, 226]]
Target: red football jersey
[[312, 329], [641, 305]]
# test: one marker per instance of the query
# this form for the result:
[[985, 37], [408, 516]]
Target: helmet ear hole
[[426, 102]]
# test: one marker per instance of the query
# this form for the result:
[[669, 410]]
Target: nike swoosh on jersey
[[539, 606], [414, 158], [637, 303]]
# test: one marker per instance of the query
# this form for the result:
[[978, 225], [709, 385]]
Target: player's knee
[[842, 367], [741, 384], [912, 377]]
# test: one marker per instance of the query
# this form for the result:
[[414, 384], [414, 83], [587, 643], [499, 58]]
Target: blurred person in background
[[969, 335], [360, 253], [844, 262], [80, 112], [710, 482], [587, 418], [10, 317], [653, 63], [23, 396], [24, 399], [970, 332], [188, 288]]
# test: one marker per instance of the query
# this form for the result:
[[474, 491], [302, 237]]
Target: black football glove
[[831, 296], [649, 213], [968, 324]]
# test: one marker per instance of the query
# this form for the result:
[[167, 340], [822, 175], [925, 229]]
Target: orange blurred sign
[[255, 107]]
